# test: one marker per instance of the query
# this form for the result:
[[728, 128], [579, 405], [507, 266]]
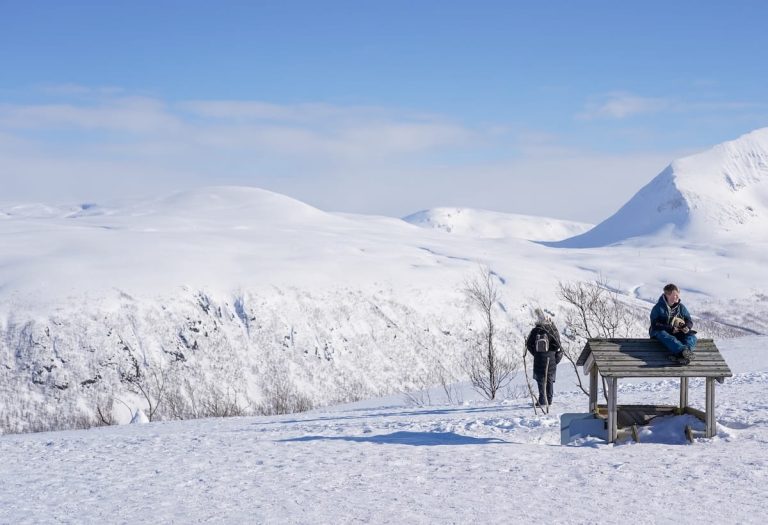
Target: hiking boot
[[687, 353], [679, 359]]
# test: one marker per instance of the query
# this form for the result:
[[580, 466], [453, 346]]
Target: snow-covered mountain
[[482, 224], [245, 295], [721, 192]]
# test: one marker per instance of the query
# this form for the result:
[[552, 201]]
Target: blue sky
[[384, 107]]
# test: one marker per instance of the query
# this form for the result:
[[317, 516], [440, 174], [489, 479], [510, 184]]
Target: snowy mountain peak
[[230, 201], [482, 224], [721, 191]]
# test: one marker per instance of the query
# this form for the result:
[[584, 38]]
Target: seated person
[[671, 324]]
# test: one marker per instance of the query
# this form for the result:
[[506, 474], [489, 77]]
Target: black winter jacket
[[555, 354]]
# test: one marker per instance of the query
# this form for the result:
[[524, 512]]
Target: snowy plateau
[[243, 296]]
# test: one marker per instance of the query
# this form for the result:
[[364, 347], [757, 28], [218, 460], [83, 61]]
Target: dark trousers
[[675, 343], [548, 387]]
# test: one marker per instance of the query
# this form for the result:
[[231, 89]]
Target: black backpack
[[542, 343]]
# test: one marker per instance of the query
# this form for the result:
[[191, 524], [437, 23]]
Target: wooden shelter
[[614, 359]]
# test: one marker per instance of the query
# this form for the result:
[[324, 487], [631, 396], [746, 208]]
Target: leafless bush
[[448, 381], [204, 399], [488, 368], [149, 381], [104, 411], [516, 392], [282, 397], [595, 310], [417, 398]]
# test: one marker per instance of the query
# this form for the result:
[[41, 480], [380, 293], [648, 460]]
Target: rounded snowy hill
[[482, 224], [721, 192]]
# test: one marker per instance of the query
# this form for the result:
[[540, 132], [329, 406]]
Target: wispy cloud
[[126, 114], [346, 158], [89, 146], [71, 89], [623, 105]]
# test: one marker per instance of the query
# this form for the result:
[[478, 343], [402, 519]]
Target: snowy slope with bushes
[[385, 462], [244, 301]]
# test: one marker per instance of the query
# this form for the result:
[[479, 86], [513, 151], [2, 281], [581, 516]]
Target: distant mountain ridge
[[483, 224], [721, 191]]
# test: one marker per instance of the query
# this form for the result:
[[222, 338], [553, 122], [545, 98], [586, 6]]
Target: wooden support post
[[683, 394], [613, 424], [710, 408], [593, 390]]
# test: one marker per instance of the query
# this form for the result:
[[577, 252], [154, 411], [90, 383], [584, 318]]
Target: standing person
[[671, 324], [544, 344]]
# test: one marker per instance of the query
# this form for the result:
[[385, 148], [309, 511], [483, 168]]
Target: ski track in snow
[[389, 463]]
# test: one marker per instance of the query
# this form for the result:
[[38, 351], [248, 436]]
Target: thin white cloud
[[339, 158], [127, 114], [623, 105], [77, 90]]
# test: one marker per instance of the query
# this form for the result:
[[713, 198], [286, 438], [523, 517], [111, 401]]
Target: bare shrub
[[204, 399], [148, 381], [487, 367], [594, 310], [516, 392], [282, 397], [417, 398]]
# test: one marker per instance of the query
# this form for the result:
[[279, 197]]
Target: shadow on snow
[[417, 439]]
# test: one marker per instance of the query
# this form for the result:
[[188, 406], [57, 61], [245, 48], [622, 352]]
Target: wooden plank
[[703, 358], [645, 348], [583, 356], [593, 391], [613, 429], [589, 364], [665, 373], [626, 340], [648, 351], [683, 393], [648, 343], [689, 433], [677, 371], [710, 408], [656, 363], [651, 347], [696, 413], [661, 365]]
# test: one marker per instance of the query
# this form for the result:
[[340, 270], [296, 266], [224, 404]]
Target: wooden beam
[[710, 408], [613, 422], [593, 390], [683, 393], [671, 372], [589, 364], [696, 413]]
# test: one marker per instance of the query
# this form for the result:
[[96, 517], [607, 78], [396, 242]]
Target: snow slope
[[719, 193], [391, 463], [482, 224]]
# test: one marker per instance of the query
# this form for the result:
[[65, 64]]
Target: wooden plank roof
[[648, 358]]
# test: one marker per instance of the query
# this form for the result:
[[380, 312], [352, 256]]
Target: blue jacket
[[662, 314]]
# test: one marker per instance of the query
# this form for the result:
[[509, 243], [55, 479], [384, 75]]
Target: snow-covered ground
[[385, 462]]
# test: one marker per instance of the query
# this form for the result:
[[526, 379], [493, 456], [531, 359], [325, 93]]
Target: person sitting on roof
[[671, 324]]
